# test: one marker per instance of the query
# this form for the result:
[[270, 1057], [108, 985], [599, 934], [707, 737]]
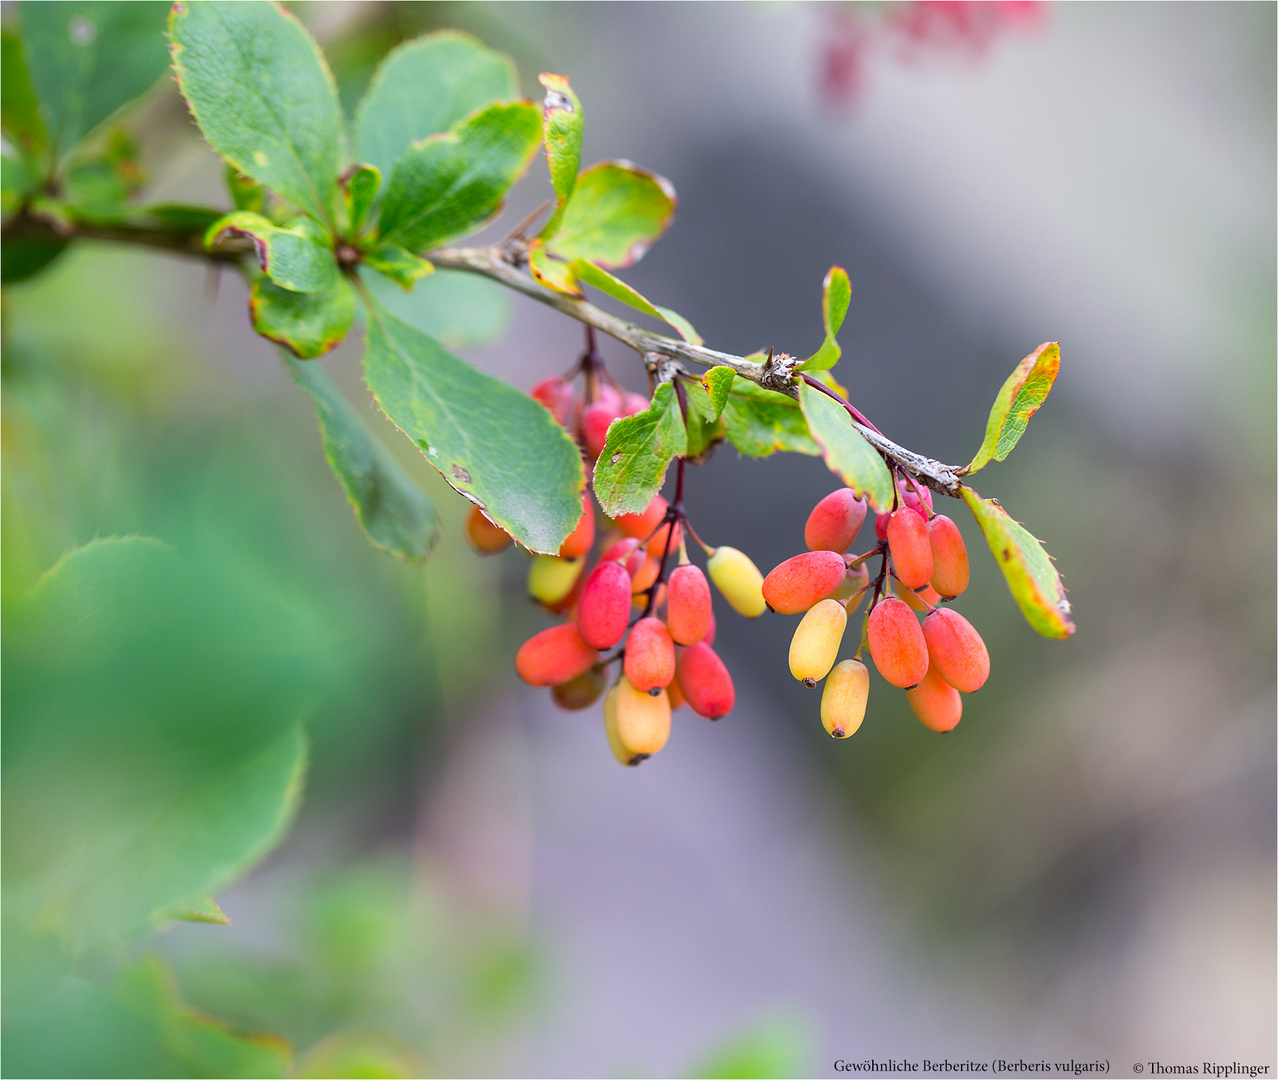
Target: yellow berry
[[844, 697], [815, 645], [739, 580]]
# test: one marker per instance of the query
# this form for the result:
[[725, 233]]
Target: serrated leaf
[[446, 185], [702, 425], [455, 308], [390, 506], [836, 294], [491, 442], [552, 272], [425, 86], [262, 94], [296, 258], [760, 422], [201, 909], [402, 267], [361, 185], [632, 465], [1031, 575], [584, 270], [563, 126], [86, 60], [152, 747], [617, 211], [718, 382], [19, 110], [308, 324], [1018, 399], [845, 450]]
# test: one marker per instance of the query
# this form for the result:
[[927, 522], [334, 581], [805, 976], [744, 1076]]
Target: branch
[[493, 262], [27, 226]]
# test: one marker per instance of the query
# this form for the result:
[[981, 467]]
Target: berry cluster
[[641, 597], [923, 563]]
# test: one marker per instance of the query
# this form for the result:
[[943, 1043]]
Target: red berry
[[628, 553], [834, 521], [798, 583], [557, 396], [949, 557], [634, 403], [594, 426], [554, 656], [910, 548], [650, 655], [688, 608], [897, 644], [582, 538], [603, 609], [705, 682], [936, 702], [956, 649]]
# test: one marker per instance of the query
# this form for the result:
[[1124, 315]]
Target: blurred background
[[1084, 868]]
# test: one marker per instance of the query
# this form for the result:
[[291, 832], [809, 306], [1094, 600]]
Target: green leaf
[[447, 185], [844, 448], [23, 257], [358, 1053], [1031, 575], [246, 193], [780, 1045], [1021, 395], [402, 267], [455, 308], [262, 94], [563, 125], [18, 177], [760, 422], [361, 185], [390, 506], [584, 270], [491, 442], [617, 211], [425, 86], [152, 746], [296, 258], [836, 294], [718, 382], [86, 60], [199, 908], [19, 110], [309, 324], [551, 271], [632, 465], [704, 428]]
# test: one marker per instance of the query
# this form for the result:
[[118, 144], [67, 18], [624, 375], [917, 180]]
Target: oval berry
[[922, 601], [949, 557], [557, 396], [642, 525], [910, 548], [484, 536], [736, 576], [643, 719], [935, 702], [645, 575], [551, 580], [581, 692], [650, 656], [815, 645], [554, 656], [844, 698], [688, 604], [798, 583], [666, 538], [956, 649], [582, 538], [603, 609], [619, 749], [595, 420], [897, 644], [705, 682], [834, 521], [627, 552], [854, 580], [675, 693]]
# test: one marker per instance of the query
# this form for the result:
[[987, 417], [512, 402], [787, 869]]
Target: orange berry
[[911, 551], [658, 545], [603, 609], [619, 749], [834, 521], [844, 698], [554, 656], [688, 609], [896, 643], [643, 719], [705, 681], [642, 525], [645, 575], [484, 536], [627, 552], [936, 702], [677, 700], [949, 557], [650, 656], [956, 649], [582, 538], [581, 692], [922, 601], [798, 583]]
